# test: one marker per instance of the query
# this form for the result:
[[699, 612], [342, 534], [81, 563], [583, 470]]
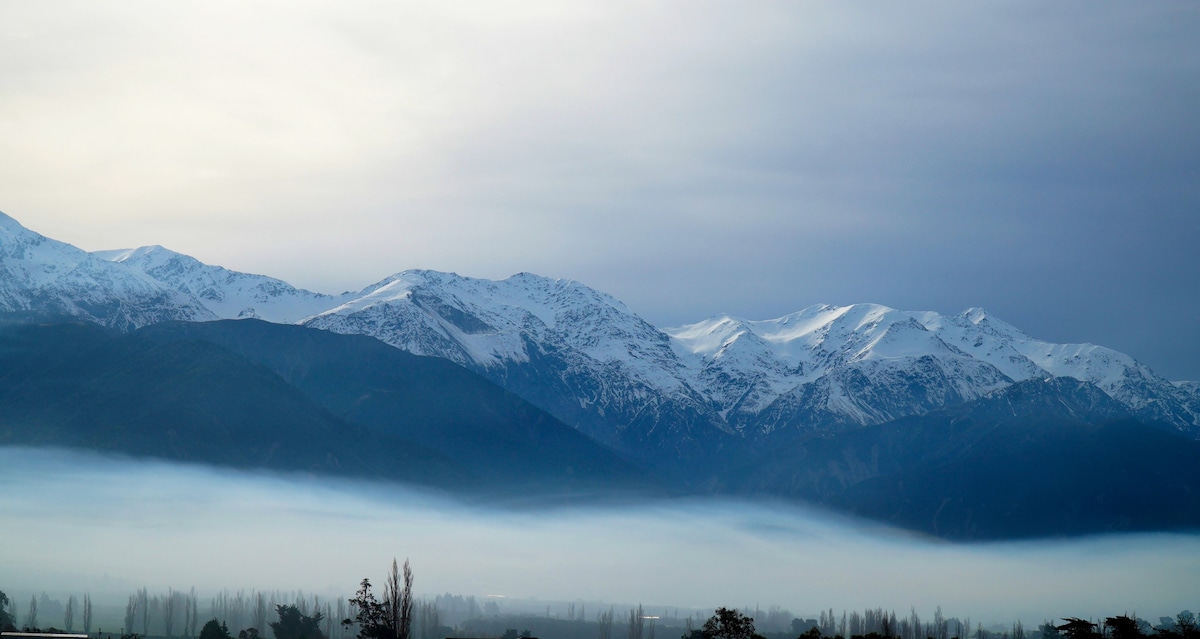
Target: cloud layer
[[77, 523]]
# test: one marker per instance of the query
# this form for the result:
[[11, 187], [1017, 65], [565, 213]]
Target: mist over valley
[[109, 525]]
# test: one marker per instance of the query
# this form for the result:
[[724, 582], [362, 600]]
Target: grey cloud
[[689, 158]]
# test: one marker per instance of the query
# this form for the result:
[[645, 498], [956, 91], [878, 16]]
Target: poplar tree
[[69, 614], [87, 614]]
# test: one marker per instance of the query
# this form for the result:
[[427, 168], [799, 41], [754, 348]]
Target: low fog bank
[[76, 523]]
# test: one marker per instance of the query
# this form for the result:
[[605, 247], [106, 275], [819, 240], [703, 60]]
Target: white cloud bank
[[75, 522]]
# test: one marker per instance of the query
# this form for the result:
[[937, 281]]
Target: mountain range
[[774, 407]]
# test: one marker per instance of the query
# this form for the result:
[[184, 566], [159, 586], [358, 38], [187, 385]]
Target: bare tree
[[191, 631], [914, 622], [155, 609], [168, 610], [330, 622], [130, 614], [31, 621], [187, 612], [237, 610], [143, 608], [605, 620], [636, 620], [391, 594], [87, 614], [69, 614], [390, 618], [272, 604], [404, 629], [435, 622], [260, 611]]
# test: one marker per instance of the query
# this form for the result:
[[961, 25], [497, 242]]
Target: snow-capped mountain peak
[[756, 368], [39, 274], [485, 322], [589, 360], [224, 293]]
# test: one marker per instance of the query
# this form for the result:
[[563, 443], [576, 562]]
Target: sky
[[1040, 160], [107, 526]]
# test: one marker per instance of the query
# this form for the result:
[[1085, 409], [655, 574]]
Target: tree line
[[394, 613], [879, 624]]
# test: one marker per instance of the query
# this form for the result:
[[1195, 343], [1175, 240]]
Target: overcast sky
[[1041, 160]]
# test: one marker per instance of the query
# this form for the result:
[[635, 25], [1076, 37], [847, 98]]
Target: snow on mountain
[[866, 363], [38, 274], [572, 350], [226, 294], [586, 358], [1135, 385], [1188, 394], [829, 365], [487, 323]]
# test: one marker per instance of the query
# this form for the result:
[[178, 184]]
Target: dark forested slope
[[1040, 458], [82, 386], [439, 404]]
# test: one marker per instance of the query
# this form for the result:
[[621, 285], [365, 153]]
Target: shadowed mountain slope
[[1039, 458], [434, 402], [78, 385]]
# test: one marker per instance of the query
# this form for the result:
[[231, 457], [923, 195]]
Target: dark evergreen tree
[[294, 624], [1077, 628], [387, 619], [369, 615], [728, 624], [1122, 627], [214, 630], [7, 621]]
